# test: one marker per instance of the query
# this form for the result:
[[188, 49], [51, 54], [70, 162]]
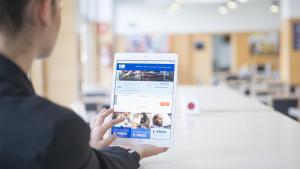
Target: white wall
[[290, 9], [140, 17], [100, 11]]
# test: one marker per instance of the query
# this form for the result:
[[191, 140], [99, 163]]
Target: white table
[[238, 140], [294, 112], [219, 99]]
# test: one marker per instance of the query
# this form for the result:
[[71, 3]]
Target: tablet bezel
[[146, 57]]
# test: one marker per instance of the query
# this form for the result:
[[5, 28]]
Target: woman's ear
[[45, 12]]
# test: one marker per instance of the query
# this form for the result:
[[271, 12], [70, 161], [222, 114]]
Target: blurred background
[[249, 46]]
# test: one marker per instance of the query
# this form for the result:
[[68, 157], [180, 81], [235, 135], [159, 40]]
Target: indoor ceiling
[[199, 1], [212, 1]]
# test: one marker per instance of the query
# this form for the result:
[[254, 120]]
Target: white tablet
[[143, 91]]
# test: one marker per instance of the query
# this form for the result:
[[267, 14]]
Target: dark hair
[[12, 14]]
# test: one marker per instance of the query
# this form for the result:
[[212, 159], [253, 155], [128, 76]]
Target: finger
[[108, 141], [97, 133], [109, 124], [96, 117], [95, 137], [102, 116]]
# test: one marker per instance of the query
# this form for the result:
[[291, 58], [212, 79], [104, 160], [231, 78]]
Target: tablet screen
[[143, 94]]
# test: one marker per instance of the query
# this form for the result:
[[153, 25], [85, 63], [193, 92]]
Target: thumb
[[108, 141]]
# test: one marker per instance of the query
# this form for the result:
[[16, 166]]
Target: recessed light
[[232, 4], [274, 8], [179, 1], [243, 1], [223, 10], [175, 6]]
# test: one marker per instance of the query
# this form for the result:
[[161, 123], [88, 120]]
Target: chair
[[284, 104]]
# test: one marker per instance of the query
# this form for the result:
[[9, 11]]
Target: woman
[[34, 132]]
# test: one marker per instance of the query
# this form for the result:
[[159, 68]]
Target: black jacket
[[38, 134]]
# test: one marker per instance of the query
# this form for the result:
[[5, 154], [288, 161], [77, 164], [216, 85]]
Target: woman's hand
[[99, 127], [146, 150]]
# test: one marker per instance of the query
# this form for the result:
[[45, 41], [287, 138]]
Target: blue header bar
[[150, 67]]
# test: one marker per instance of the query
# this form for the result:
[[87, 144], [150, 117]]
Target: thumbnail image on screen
[[141, 120], [161, 121], [138, 75], [127, 120]]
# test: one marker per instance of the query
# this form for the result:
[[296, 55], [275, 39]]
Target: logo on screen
[[122, 66]]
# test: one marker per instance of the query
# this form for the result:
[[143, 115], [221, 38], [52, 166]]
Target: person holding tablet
[[34, 132]]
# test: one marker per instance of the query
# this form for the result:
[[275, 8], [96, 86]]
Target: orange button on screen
[[164, 104]]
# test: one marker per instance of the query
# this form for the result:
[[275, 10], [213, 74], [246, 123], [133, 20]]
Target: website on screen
[[143, 96]]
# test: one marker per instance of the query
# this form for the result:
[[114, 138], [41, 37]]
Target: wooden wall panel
[[242, 56], [181, 44], [119, 44], [295, 57], [61, 69], [195, 66], [290, 58], [285, 44]]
